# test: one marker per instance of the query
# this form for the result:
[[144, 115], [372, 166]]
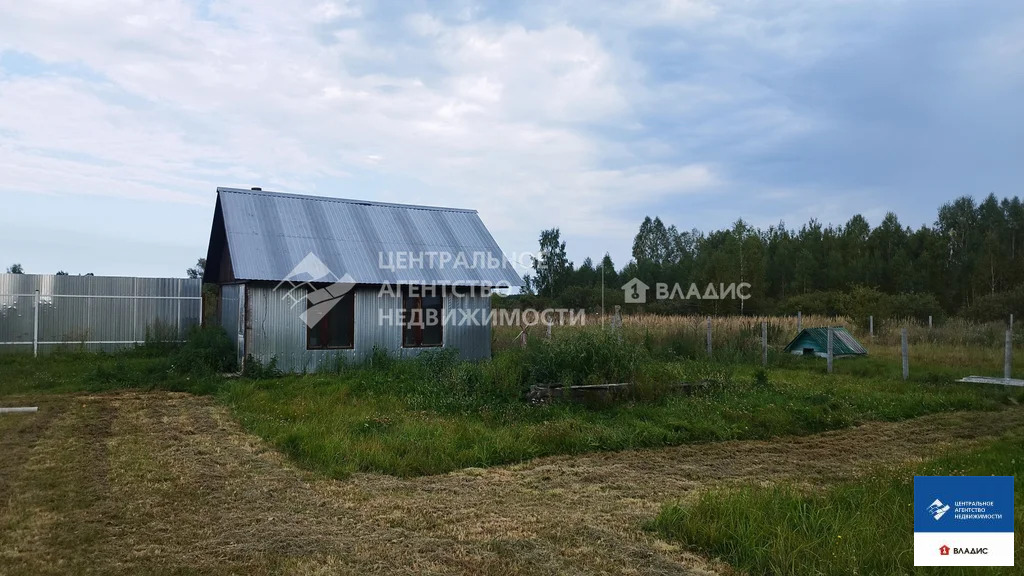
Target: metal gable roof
[[843, 343], [269, 233]]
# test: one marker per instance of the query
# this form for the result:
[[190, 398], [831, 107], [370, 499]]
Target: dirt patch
[[168, 483]]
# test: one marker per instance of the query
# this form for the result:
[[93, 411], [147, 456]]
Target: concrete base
[[989, 380]]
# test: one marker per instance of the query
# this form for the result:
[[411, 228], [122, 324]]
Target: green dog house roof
[[815, 341]]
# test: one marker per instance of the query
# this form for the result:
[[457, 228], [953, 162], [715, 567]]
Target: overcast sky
[[119, 118]]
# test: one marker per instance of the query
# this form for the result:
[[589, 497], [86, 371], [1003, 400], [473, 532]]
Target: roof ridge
[[341, 200]]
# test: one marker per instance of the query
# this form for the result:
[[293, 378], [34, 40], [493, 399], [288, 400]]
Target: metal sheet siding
[[843, 343], [95, 312], [278, 332], [848, 344], [270, 233], [470, 336], [231, 317]]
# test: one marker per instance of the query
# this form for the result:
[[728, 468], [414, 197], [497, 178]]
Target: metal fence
[[41, 313]]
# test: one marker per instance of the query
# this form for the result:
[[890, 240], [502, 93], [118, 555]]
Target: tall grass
[[398, 421], [192, 366], [434, 413], [737, 339], [855, 527]]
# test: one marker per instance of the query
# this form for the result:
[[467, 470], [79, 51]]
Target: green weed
[[855, 527]]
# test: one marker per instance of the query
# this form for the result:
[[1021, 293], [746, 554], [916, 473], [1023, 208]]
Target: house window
[[331, 321], [422, 322]]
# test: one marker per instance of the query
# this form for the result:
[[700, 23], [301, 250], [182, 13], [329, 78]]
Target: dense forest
[[969, 262]]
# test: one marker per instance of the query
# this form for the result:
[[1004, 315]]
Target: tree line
[[969, 261], [19, 269]]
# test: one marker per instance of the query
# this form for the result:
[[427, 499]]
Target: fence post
[[522, 338], [548, 335], [135, 310], [829, 349], [764, 344], [929, 321], [617, 322], [35, 324], [1011, 321], [177, 324], [709, 336], [871, 327], [1008, 356], [905, 353], [799, 321]]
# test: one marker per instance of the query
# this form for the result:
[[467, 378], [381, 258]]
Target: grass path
[[169, 483]]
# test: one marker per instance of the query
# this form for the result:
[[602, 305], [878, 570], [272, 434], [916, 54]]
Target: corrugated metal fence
[[42, 312]]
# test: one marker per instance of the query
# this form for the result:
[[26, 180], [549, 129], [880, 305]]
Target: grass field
[[853, 527], [338, 425], [142, 461], [132, 482], [435, 415]]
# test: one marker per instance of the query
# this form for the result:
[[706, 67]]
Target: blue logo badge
[[963, 504]]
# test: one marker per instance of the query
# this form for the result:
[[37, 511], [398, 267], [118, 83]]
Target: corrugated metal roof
[[270, 233], [843, 343]]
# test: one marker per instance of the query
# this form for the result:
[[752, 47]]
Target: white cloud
[[549, 121], [503, 120]]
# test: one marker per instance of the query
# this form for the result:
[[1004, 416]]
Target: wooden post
[[617, 321], [35, 324], [871, 326], [548, 335], [829, 349], [522, 338], [1008, 356], [929, 321], [906, 354], [799, 321], [764, 344], [1011, 321], [709, 336]]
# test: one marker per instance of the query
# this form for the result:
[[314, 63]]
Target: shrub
[[861, 302], [253, 369], [583, 357], [161, 340], [998, 306], [208, 350]]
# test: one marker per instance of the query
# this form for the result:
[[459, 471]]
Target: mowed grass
[[856, 527]]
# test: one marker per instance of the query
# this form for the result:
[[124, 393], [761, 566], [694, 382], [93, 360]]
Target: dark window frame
[[323, 326], [417, 330]]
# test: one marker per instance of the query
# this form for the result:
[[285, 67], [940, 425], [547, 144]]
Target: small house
[[310, 281], [814, 342]]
